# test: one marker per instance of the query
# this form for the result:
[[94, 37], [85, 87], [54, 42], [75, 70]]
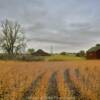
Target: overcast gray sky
[[67, 25]]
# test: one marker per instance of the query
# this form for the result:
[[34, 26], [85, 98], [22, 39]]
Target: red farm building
[[94, 52]]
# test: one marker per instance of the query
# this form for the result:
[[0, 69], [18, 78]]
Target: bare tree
[[11, 37]]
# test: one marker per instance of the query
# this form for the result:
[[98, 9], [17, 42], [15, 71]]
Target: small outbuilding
[[40, 52], [94, 52]]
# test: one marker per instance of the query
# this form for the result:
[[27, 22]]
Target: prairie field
[[66, 80]]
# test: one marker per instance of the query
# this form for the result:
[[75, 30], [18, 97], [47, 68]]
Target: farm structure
[[40, 53], [94, 52]]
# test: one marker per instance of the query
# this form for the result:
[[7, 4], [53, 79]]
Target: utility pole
[[51, 49]]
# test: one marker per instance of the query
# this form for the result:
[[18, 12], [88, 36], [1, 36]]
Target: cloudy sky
[[67, 25]]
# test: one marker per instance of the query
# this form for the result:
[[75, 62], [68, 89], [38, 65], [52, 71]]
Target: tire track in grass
[[73, 88], [41, 93], [32, 89], [84, 90], [63, 87], [52, 90]]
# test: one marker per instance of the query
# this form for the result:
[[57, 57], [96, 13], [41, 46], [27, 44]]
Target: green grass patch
[[63, 58]]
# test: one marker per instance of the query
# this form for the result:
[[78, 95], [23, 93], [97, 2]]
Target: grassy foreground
[[66, 80]]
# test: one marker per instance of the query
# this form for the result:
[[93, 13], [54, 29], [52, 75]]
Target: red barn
[[94, 52]]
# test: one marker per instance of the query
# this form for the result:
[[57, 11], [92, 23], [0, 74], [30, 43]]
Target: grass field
[[70, 80], [64, 58]]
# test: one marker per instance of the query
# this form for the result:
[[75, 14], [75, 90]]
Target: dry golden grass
[[63, 87], [79, 80]]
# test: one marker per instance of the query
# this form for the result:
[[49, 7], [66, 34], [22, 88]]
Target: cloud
[[69, 25]]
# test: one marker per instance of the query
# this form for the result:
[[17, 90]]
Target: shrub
[[21, 57]]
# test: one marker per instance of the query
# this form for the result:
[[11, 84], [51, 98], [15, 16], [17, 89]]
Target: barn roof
[[94, 49], [41, 53]]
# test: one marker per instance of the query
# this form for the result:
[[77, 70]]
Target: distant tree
[[97, 44], [12, 38], [81, 53], [31, 50], [63, 53]]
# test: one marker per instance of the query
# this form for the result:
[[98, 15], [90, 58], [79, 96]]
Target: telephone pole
[[51, 49]]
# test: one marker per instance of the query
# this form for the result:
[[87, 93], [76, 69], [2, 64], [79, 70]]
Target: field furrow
[[32, 89], [83, 88], [52, 90], [63, 87], [41, 91], [76, 94]]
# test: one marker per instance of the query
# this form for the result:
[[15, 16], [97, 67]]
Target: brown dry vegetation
[[70, 80]]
